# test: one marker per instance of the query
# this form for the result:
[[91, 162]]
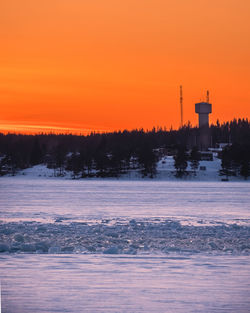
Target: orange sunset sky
[[103, 65]]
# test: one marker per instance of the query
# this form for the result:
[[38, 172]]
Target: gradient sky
[[82, 65]]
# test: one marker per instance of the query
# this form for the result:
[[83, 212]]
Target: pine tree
[[245, 169], [195, 159], [180, 161], [36, 153], [226, 162]]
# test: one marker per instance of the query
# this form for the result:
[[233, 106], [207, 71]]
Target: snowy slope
[[165, 171]]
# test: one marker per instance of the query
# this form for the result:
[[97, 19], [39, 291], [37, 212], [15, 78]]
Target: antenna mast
[[181, 104], [207, 96]]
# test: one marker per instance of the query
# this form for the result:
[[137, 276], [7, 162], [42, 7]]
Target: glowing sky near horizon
[[75, 65]]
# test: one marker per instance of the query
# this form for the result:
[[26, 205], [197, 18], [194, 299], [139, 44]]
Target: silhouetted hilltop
[[112, 154]]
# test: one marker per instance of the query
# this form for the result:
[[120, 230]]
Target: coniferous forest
[[115, 153]]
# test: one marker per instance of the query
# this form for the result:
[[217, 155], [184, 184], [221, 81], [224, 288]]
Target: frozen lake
[[124, 246], [97, 283], [47, 200]]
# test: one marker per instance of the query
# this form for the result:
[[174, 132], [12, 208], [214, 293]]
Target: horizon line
[[22, 129]]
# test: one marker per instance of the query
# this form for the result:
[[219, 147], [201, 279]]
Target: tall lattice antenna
[[207, 96], [181, 104]]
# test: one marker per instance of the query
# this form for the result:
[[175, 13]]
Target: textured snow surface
[[126, 284]]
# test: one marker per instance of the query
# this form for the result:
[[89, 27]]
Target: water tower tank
[[203, 109]]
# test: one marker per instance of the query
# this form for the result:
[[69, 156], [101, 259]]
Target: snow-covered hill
[[207, 171]]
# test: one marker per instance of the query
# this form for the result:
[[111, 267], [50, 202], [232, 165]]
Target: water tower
[[204, 109]]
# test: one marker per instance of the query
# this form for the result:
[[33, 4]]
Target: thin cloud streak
[[32, 129]]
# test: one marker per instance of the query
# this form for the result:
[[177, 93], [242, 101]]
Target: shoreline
[[165, 171]]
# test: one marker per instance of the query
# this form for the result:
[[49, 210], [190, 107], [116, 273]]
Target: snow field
[[165, 171]]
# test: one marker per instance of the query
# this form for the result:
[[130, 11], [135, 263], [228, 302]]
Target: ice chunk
[[19, 238], [4, 248], [54, 250], [111, 250]]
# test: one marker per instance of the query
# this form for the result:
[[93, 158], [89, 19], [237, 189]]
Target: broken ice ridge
[[124, 237]]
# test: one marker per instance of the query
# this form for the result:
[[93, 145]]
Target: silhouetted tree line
[[236, 160], [113, 154]]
